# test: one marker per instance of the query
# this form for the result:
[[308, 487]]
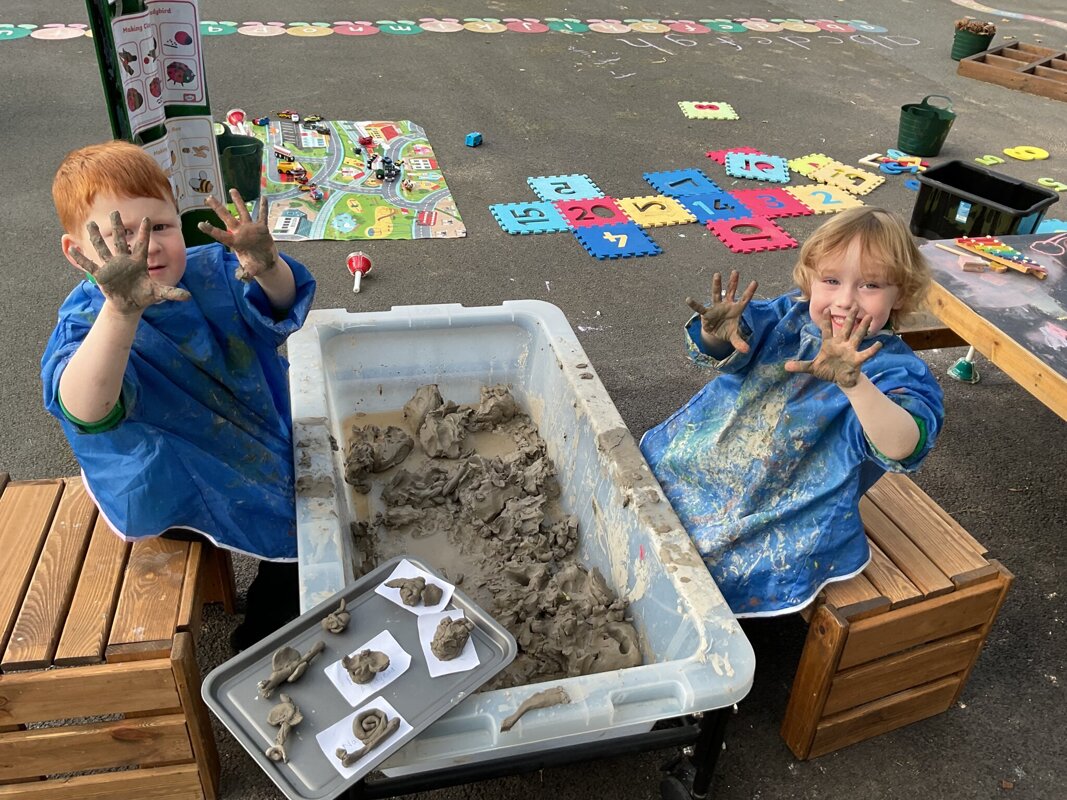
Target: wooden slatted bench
[[92, 627], [897, 643]]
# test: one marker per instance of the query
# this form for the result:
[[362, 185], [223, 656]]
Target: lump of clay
[[372, 728], [415, 590], [496, 407], [287, 665], [451, 637], [364, 665], [370, 449], [431, 595], [443, 432], [555, 696], [285, 716], [410, 589], [336, 621], [426, 399]]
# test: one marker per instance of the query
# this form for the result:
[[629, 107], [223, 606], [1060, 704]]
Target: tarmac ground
[[606, 105]]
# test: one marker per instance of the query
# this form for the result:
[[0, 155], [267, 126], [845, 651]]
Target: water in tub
[[470, 490]]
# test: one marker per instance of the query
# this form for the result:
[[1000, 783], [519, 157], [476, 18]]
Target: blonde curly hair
[[889, 253]]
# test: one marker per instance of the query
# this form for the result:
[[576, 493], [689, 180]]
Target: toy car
[[316, 194], [288, 114], [261, 121], [312, 118], [366, 141]]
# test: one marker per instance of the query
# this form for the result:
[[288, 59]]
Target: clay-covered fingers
[[748, 294], [860, 331], [118, 235], [223, 213], [97, 240], [261, 216], [798, 366], [83, 260], [699, 308], [866, 355], [161, 292]]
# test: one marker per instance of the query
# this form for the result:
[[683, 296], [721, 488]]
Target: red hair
[[110, 169]]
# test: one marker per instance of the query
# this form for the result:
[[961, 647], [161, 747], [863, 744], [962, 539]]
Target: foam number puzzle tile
[[806, 165], [533, 217], [707, 109], [852, 179], [595, 211], [771, 202], [714, 206], [679, 182], [719, 156], [751, 235], [616, 241], [757, 167], [654, 211], [564, 187], [824, 199]]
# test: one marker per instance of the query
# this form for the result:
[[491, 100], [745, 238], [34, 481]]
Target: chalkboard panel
[[1033, 312]]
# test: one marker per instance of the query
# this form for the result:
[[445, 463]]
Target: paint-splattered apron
[[206, 440], [765, 468]]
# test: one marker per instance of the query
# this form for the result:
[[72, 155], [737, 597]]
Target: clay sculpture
[[364, 665], [336, 621], [451, 637], [415, 590], [285, 716], [549, 697], [372, 728], [287, 665]]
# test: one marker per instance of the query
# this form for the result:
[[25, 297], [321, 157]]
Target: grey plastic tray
[[230, 689]]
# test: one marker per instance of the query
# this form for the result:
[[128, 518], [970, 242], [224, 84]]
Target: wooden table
[[1015, 320]]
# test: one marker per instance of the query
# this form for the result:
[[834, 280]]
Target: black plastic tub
[[961, 199]]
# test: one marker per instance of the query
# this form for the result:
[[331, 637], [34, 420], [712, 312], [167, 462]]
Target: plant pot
[[965, 43]]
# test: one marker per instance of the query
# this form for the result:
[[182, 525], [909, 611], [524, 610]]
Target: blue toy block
[[714, 207], [474, 139], [625, 240], [749, 165], [564, 187], [531, 217], [679, 182]]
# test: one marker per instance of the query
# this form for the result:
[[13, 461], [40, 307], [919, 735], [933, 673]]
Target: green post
[[151, 67]]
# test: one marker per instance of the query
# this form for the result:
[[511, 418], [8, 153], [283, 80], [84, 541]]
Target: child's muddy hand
[[721, 321], [249, 239], [839, 359], [122, 275]]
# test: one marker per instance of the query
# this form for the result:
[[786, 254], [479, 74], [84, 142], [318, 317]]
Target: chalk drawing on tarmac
[[484, 25], [975, 6]]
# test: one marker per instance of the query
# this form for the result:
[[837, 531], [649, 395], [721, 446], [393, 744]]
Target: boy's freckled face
[[840, 286], [166, 249]]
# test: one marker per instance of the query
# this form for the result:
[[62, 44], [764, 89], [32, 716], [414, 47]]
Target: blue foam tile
[[744, 165], [564, 187], [537, 216], [715, 207], [681, 182], [1051, 226], [625, 240]]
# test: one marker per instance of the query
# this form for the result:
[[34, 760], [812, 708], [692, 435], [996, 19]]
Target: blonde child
[[164, 371], [817, 399]]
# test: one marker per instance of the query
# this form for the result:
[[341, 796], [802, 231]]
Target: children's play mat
[[333, 179]]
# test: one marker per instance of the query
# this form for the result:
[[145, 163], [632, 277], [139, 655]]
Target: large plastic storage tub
[[960, 199], [696, 656]]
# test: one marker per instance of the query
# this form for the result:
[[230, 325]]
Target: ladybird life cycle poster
[[161, 61]]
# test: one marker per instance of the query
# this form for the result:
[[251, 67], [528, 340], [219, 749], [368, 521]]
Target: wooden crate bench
[[93, 627], [897, 643]]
